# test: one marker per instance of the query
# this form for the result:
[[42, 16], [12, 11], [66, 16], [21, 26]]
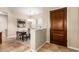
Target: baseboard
[[47, 41], [11, 36], [33, 50], [41, 46], [73, 48]]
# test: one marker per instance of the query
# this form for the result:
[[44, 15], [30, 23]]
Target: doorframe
[[65, 27]]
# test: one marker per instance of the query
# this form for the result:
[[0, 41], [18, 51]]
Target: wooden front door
[[58, 29], [0, 37]]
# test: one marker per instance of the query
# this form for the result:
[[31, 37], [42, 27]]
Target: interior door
[[58, 29]]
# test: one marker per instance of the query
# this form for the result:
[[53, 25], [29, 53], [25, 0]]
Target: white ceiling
[[27, 10]]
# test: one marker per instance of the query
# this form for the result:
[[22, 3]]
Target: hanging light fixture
[[30, 19]]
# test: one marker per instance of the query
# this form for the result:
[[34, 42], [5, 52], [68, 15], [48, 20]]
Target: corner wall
[[11, 25], [73, 27]]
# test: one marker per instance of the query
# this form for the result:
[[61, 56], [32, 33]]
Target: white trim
[[12, 36], [41, 46], [47, 41], [33, 50], [73, 48]]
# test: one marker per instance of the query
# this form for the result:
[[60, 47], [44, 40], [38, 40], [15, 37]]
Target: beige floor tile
[[55, 48], [14, 45]]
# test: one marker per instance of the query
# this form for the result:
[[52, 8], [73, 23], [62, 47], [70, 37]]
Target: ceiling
[[27, 10]]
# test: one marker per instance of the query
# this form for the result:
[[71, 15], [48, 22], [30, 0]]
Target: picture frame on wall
[[21, 23]]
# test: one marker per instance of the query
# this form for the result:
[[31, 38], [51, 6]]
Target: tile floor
[[55, 48], [13, 45]]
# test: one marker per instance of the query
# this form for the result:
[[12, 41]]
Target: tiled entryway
[[55, 48], [13, 45]]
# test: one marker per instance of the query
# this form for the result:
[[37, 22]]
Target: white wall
[[38, 38], [27, 12], [11, 25], [11, 22], [73, 27], [3, 22]]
